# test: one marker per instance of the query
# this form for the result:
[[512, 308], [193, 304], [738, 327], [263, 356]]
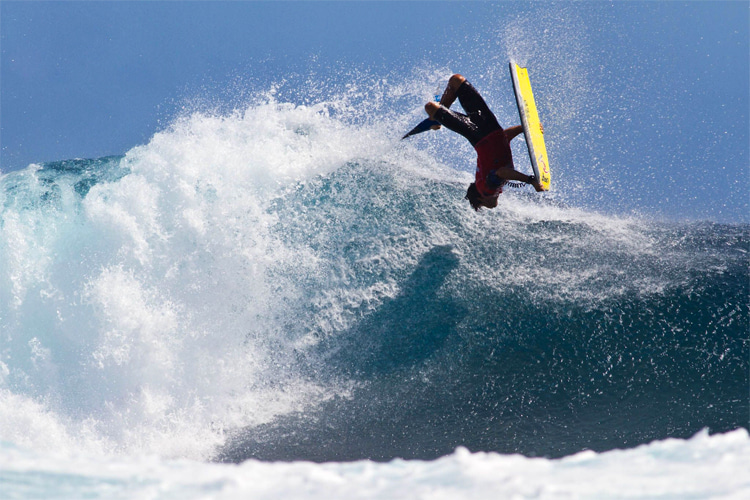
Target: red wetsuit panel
[[493, 152]]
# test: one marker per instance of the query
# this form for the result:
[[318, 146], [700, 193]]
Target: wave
[[291, 282]]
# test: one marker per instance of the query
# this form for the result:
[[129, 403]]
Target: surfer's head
[[477, 200]]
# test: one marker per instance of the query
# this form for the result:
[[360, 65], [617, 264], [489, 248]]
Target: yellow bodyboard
[[530, 121]]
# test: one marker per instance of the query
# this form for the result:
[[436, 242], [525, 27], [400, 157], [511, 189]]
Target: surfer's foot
[[431, 108]]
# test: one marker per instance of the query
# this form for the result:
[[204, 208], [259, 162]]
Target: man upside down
[[491, 142]]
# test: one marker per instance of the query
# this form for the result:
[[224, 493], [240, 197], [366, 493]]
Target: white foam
[[150, 313], [702, 467]]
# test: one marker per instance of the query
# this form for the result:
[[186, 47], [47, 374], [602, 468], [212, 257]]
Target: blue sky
[[85, 79], [671, 80]]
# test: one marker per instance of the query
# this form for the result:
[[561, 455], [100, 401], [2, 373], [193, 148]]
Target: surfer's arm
[[511, 174], [512, 132]]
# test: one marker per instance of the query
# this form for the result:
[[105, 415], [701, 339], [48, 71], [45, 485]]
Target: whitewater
[[280, 299]]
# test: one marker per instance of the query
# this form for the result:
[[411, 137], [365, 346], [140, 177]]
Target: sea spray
[[142, 306]]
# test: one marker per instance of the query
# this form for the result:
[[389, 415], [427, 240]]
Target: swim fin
[[424, 126]]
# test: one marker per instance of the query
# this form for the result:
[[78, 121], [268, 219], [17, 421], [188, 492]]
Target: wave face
[[290, 282], [540, 331]]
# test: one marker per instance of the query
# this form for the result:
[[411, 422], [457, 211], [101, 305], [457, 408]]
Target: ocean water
[[279, 299], [281, 286]]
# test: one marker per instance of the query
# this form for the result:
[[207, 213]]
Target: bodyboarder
[[490, 140]]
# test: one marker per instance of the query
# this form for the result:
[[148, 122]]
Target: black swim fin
[[423, 126]]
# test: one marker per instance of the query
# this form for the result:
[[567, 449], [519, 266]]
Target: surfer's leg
[[476, 108], [476, 124], [449, 94], [461, 124]]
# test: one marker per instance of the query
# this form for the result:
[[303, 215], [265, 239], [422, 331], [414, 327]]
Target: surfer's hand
[[535, 182], [541, 128]]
